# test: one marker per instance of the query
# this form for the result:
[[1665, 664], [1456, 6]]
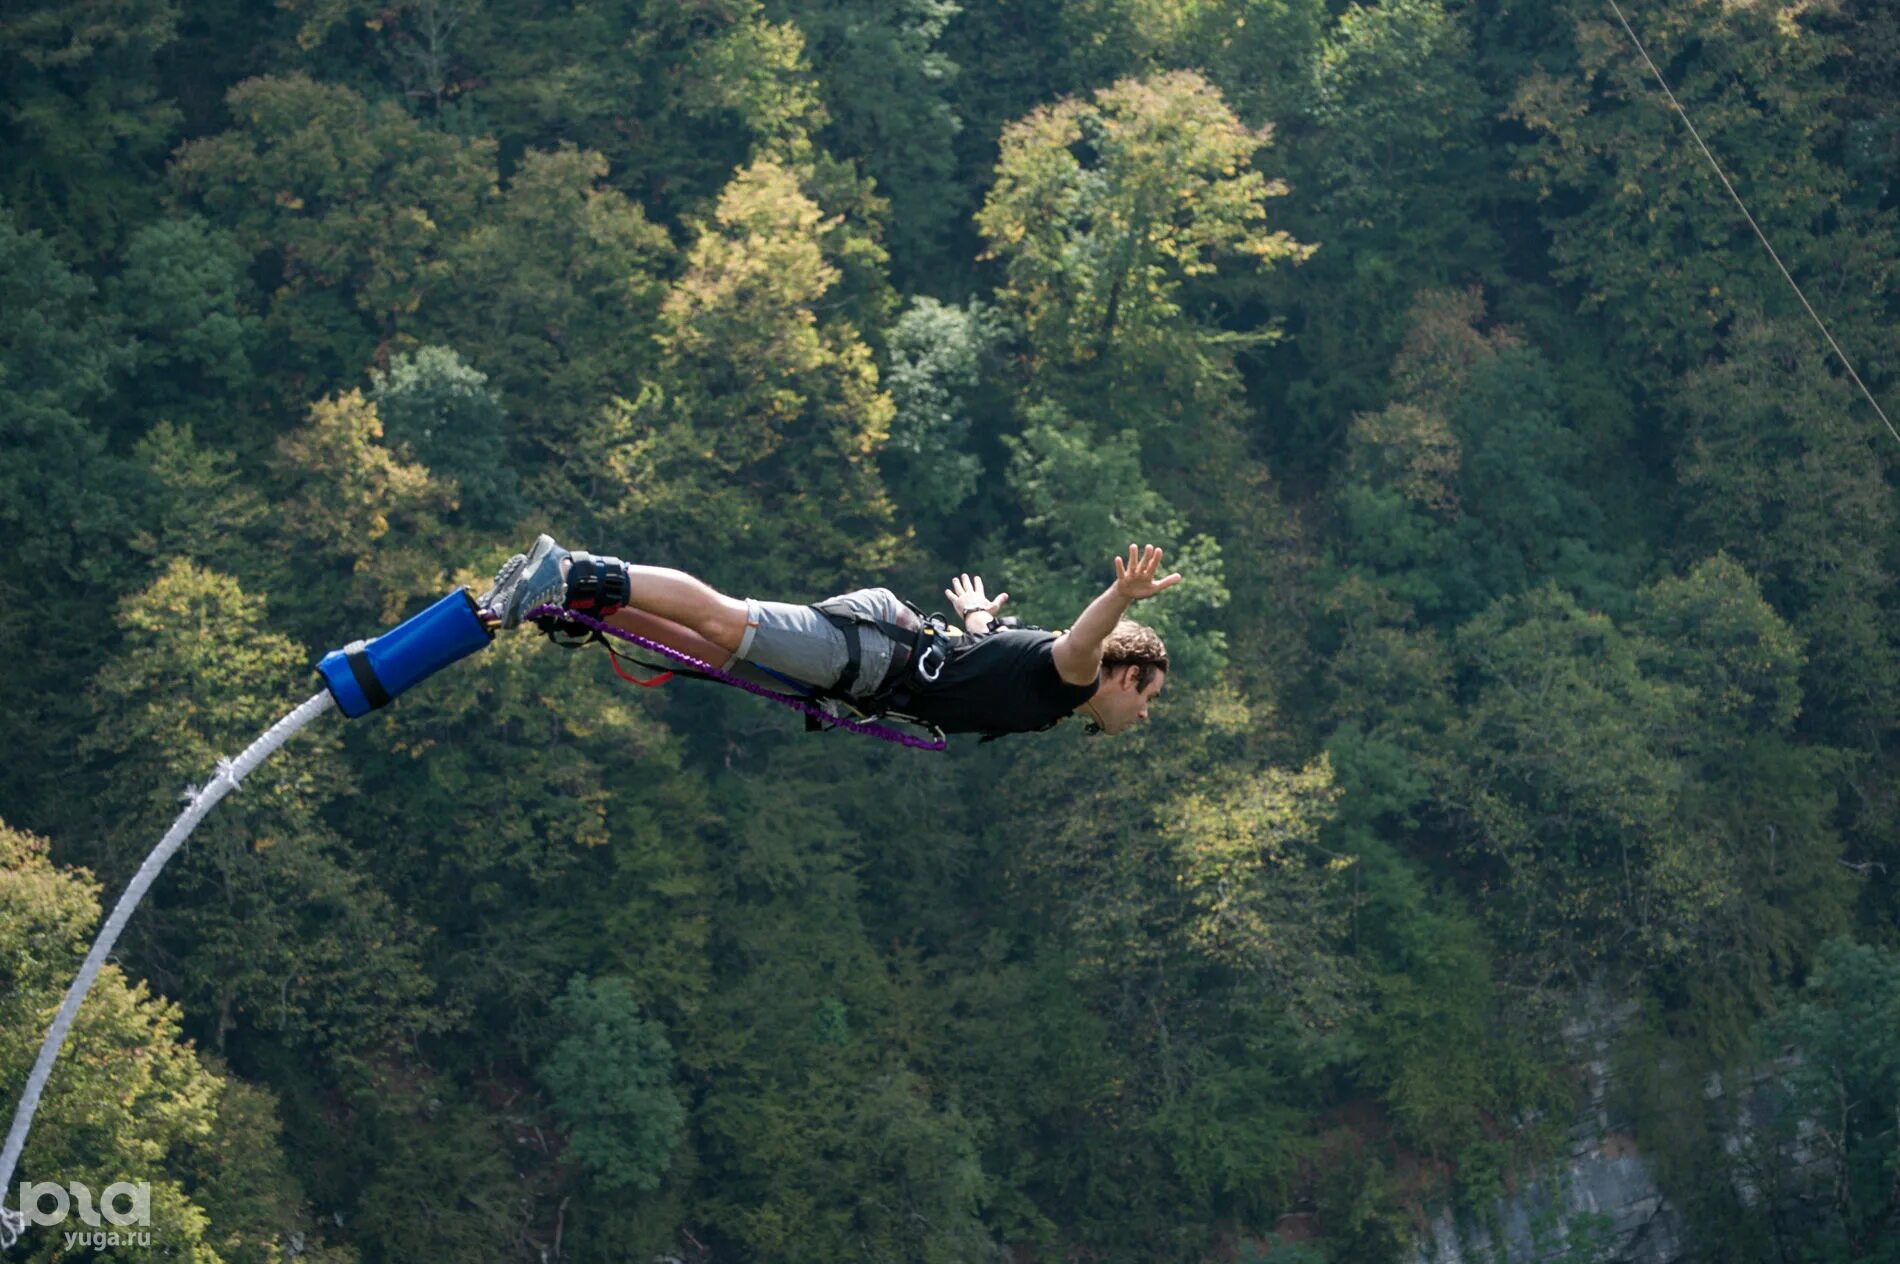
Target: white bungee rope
[[202, 799]]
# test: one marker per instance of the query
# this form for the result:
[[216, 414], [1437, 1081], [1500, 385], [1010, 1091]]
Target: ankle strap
[[597, 585]]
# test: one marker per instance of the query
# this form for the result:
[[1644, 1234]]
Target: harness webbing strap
[[853, 657], [911, 646]]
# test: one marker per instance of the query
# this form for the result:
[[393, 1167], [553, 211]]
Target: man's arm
[[1078, 652]]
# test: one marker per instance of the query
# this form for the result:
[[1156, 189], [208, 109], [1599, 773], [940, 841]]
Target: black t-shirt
[[1001, 682]]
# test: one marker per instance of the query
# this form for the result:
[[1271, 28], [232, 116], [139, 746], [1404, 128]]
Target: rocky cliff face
[[1601, 1203]]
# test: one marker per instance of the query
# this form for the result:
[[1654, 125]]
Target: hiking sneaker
[[538, 582], [503, 577]]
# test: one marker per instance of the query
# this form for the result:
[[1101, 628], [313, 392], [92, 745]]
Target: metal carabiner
[[925, 670]]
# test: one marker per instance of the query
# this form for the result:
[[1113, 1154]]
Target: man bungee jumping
[[872, 651]]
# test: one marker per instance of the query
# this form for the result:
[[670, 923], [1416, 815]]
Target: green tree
[[1561, 785], [602, 869], [1779, 468], [348, 206], [886, 83], [1388, 689], [756, 458], [1122, 222], [815, 1136], [1386, 157], [1103, 214], [1764, 799], [937, 355], [60, 493], [1637, 799], [1256, 901], [192, 501], [1458, 1066], [923, 1150], [1198, 872], [182, 295], [127, 1089], [1470, 485], [1870, 139], [418, 52], [439, 410], [1394, 106], [554, 295], [239, 1174], [435, 1178], [1258, 51], [1444, 1047], [1213, 1003], [611, 1076], [1838, 1035], [361, 528], [1639, 223], [674, 97], [129, 1100], [86, 121]]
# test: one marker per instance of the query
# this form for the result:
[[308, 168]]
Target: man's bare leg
[[673, 635], [695, 609]]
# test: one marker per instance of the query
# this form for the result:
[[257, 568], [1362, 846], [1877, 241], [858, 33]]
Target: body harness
[[598, 586], [916, 637]]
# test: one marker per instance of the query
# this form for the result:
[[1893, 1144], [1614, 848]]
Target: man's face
[[1119, 705]]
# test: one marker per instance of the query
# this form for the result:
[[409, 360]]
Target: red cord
[[660, 679]]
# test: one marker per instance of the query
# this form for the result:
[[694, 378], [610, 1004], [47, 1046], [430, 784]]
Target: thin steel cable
[[1723, 177], [202, 799]]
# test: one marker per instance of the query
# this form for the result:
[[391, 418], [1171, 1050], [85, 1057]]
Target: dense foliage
[[1537, 641]]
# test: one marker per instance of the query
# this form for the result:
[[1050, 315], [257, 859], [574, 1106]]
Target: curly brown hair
[[1132, 642]]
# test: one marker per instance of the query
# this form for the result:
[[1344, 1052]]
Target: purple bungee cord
[[865, 727]]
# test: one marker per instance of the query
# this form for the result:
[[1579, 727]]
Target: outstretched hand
[[1135, 578], [966, 596]]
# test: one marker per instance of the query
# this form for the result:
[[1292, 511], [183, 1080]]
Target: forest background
[[1537, 644]]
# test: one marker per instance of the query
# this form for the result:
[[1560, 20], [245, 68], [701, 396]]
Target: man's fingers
[[1000, 599]]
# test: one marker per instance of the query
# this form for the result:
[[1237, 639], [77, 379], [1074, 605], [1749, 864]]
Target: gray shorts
[[799, 642]]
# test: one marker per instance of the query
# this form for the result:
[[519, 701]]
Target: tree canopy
[[1535, 655]]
